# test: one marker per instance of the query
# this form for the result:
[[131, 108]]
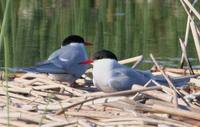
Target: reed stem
[[4, 40]]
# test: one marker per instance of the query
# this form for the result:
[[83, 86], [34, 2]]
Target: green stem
[[4, 23], [6, 78], [6, 49]]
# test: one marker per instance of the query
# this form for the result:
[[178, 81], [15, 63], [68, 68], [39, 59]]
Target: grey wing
[[55, 54], [124, 78], [120, 84], [120, 80], [59, 61], [139, 77], [70, 59], [63, 56], [65, 59]]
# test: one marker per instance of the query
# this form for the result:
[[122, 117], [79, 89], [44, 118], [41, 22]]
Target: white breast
[[102, 72]]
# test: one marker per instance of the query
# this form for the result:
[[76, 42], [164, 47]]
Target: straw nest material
[[36, 100]]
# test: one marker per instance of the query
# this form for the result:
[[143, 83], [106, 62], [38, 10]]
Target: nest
[[36, 100]]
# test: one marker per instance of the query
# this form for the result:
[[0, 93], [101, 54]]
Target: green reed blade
[[3, 26]]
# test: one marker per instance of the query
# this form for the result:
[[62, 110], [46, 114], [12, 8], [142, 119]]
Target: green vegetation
[[35, 28]]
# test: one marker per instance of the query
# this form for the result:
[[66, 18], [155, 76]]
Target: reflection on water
[[126, 27]]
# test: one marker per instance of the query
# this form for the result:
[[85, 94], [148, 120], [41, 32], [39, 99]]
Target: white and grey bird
[[110, 76], [64, 63]]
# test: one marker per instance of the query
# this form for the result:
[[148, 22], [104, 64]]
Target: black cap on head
[[103, 54], [71, 39]]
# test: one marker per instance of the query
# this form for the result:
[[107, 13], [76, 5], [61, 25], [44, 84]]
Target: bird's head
[[102, 54], [75, 39]]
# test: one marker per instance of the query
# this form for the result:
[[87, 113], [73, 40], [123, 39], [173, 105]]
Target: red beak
[[88, 43], [89, 61]]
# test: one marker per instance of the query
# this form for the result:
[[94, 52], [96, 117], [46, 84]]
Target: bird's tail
[[41, 68], [177, 81], [19, 69]]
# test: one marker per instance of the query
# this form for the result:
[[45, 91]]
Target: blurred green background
[[35, 28]]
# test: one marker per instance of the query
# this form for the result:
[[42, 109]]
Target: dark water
[[35, 28]]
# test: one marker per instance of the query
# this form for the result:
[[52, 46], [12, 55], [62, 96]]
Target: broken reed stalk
[[149, 82], [165, 109], [161, 96], [185, 42], [121, 93], [175, 99], [131, 60], [184, 54], [192, 25], [168, 109], [186, 10], [15, 123], [74, 91], [186, 36], [149, 120], [139, 60], [194, 11], [196, 38], [184, 71], [169, 82], [60, 124], [198, 32], [151, 108], [45, 111], [155, 94], [164, 88], [25, 117], [175, 111]]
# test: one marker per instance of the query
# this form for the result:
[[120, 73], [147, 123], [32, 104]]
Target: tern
[[64, 63], [110, 76]]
